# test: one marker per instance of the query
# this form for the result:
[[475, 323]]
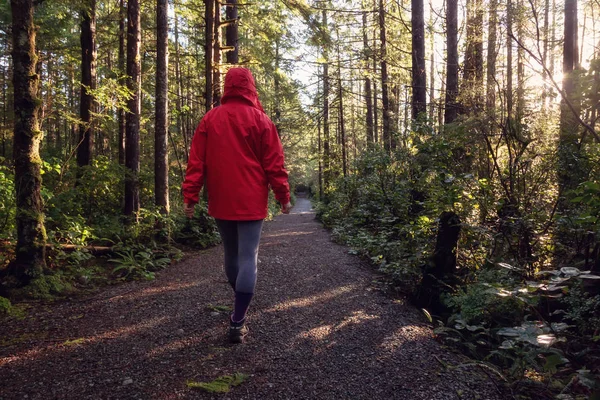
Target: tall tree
[[342, 125], [569, 169], [326, 155], [209, 34], [31, 235], [450, 108], [368, 93], [509, 62], [419, 80], [231, 32], [121, 61], [217, 54], [88, 82], [384, 79], [161, 156], [132, 136], [491, 58], [472, 89]]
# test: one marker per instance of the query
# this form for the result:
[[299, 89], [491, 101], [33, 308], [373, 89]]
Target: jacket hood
[[239, 84]]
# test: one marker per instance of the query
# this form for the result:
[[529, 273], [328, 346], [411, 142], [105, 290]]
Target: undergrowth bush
[[513, 306]]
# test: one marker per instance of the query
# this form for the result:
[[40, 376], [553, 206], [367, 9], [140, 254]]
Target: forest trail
[[319, 329]]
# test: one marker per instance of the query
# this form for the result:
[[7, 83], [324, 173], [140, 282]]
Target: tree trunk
[[490, 104], [277, 116], [375, 100], [491, 59], [341, 110], [161, 155], [546, 33], [231, 32], [179, 101], [132, 136], [4, 110], [368, 94], [472, 96], [520, 111], [450, 107], [431, 67], [217, 55], [88, 82], [419, 79], [439, 273], [31, 235], [509, 62], [326, 155], [208, 52], [569, 169], [384, 80], [121, 111]]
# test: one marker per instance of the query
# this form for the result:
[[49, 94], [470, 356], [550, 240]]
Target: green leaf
[[553, 361]]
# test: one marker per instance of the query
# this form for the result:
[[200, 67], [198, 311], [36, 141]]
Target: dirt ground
[[320, 328]]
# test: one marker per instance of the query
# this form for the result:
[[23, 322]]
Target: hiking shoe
[[237, 331]]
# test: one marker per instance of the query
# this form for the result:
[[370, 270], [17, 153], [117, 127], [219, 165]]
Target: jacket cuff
[[284, 200]]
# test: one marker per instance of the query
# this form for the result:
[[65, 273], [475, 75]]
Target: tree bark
[[88, 82], [217, 55], [179, 101], [491, 59], [208, 52], [450, 107], [419, 79], [161, 155], [440, 272], [326, 155], [472, 96], [569, 169], [132, 137], [509, 62], [384, 80], [121, 111], [31, 235], [341, 110], [368, 94], [231, 32]]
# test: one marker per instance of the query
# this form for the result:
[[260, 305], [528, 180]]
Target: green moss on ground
[[222, 384]]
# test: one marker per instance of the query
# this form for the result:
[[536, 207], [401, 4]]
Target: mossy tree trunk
[[440, 273], [31, 235]]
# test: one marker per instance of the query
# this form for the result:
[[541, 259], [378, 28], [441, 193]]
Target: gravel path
[[319, 329]]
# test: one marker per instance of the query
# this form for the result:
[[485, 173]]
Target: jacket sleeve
[[194, 175], [272, 163]]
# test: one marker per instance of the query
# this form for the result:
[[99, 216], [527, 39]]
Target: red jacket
[[237, 150]]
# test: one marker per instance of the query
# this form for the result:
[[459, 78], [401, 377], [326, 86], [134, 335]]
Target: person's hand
[[285, 208], [188, 209]]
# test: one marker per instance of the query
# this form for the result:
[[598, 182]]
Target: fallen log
[[96, 250]]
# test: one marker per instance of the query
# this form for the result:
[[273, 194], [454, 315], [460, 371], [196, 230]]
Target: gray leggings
[[240, 240]]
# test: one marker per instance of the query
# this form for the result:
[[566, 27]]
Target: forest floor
[[321, 327]]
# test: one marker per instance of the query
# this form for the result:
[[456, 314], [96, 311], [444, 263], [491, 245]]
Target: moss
[[5, 306], [219, 308], [74, 342], [222, 384], [45, 287]]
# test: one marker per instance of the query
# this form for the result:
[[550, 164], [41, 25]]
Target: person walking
[[236, 150]]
